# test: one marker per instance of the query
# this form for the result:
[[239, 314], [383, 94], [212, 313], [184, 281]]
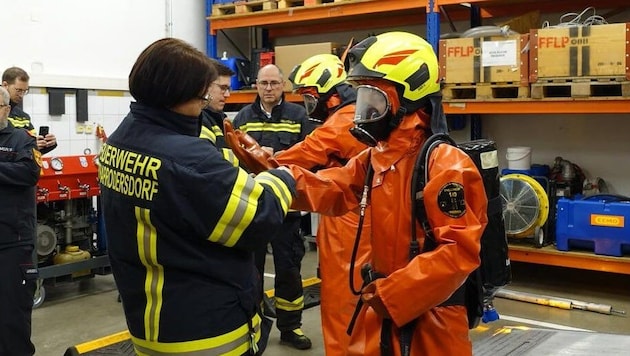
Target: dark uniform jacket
[[212, 130], [22, 120], [287, 125], [19, 172], [182, 224]]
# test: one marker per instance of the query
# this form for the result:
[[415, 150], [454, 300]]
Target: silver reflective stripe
[[236, 347], [238, 213]]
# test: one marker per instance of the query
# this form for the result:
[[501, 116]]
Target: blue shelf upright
[[211, 40], [433, 24]]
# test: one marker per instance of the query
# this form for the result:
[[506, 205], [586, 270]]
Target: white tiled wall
[[104, 108]]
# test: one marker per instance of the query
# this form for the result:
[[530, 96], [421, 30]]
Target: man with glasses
[[212, 116], [277, 125], [15, 80], [20, 164]]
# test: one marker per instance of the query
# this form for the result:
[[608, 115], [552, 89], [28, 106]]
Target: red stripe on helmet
[[394, 57], [308, 72]]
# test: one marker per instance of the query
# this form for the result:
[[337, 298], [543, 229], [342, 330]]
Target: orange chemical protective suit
[[331, 145], [411, 289]]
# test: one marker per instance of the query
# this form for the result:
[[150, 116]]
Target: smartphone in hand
[[43, 131]]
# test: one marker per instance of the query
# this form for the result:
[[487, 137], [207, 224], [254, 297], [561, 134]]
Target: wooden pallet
[[581, 87], [284, 4], [243, 7], [485, 91]]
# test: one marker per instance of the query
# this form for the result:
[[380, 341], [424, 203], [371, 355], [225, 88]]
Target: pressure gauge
[[56, 163]]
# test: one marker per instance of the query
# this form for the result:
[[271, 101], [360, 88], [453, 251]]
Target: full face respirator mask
[[373, 118]]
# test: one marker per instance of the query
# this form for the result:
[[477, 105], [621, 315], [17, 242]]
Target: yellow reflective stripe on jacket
[[211, 135], [229, 156], [22, 123], [239, 212], [279, 188], [208, 134], [283, 304], [154, 280], [217, 131], [271, 126], [233, 343]]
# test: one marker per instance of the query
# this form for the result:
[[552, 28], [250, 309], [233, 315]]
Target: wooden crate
[[484, 60], [485, 92], [581, 87], [283, 4], [243, 7], [586, 51]]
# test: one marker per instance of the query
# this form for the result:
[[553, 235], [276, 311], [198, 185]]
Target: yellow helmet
[[399, 57], [322, 71]]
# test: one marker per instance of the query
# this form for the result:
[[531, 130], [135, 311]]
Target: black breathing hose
[[365, 198]]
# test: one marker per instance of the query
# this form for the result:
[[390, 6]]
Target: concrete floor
[[86, 310]]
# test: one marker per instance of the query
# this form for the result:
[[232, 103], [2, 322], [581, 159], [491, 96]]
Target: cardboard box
[[585, 51], [494, 59], [288, 57]]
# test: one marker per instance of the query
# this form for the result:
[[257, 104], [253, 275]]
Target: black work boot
[[296, 339], [269, 309]]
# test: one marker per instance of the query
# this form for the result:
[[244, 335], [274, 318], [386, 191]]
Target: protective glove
[[248, 151], [370, 296]]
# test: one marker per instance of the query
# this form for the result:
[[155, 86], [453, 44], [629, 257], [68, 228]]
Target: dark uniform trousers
[[18, 279], [288, 251]]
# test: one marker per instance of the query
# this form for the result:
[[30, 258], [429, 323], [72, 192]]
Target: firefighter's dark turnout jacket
[[20, 167], [287, 125], [212, 130], [182, 223], [22, 120]]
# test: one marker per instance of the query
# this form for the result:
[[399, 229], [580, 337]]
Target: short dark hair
[[170, 72], [223, 69], [13, 73]]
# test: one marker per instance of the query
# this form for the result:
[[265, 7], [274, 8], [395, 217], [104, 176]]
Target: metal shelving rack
[[365, 14]]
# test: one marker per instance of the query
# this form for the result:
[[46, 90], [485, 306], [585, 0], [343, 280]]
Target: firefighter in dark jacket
[[213, 115], [181, 221], [15, 80], [20, 166], [277, 125]]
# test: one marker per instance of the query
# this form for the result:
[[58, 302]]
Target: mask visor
[[310, 103], [371, 105]]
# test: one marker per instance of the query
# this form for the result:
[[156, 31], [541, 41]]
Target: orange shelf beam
[[492, 107], [590, 106], [328, 11], [581, 260], [361, 10]]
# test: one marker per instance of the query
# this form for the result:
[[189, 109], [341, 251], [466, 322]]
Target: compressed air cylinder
[[495, 262]]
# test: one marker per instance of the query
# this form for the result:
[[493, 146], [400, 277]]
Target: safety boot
[[296, 339], [268, 307]]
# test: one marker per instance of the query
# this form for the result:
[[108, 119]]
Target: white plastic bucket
[[519, 158]]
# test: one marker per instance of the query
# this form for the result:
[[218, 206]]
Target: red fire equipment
[[70, 242]]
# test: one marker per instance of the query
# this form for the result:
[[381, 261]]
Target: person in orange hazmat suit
[[414, 306], [328, 100]]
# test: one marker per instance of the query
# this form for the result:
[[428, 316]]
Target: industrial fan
[[525, 207]]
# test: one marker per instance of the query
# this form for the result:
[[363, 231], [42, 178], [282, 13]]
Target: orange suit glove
[[247, 150], [370, 296]]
